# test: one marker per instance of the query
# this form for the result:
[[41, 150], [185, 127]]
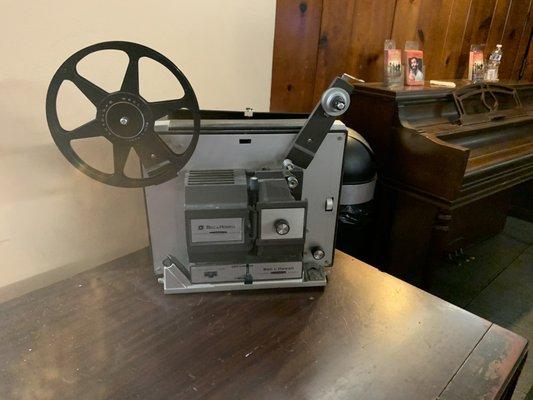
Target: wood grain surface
[[110, 333], [347, 36], [296, 37]]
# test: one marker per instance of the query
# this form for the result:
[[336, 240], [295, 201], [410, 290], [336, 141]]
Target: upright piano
[[448, 161]]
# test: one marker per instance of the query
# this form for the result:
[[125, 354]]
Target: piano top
[[402, 91], [478, 136]]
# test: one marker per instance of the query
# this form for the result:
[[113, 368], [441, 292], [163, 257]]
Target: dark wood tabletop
[[110, 333]]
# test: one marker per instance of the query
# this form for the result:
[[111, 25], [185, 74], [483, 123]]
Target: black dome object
[[358, 164]]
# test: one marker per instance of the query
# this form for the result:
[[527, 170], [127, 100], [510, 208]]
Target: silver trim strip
[[357, 194]]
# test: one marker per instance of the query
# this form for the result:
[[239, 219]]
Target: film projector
[[234, 200]]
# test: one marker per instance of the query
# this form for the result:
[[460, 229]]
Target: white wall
[[51, 215]]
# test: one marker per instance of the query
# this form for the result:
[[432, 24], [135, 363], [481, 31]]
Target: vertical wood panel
[[359, 39], [334, 43], [497, 25], [295, 51], [431, 30], [528, 68], [474, 31], [348, 37], [520, 61], [405, 21], [372, 24], [510, 38]]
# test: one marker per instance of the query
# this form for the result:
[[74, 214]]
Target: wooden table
[[110, 333]]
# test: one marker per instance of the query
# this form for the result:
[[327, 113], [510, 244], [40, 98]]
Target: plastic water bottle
[[495, 59]]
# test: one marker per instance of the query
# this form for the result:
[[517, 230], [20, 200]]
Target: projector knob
[[282, 227], [318, 253], [338, 103]]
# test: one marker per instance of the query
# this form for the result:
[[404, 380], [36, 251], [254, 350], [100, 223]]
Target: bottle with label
[[491, 73]]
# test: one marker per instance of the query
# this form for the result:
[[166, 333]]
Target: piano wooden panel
[[446, 166]]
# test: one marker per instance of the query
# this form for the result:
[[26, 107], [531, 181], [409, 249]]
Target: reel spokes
[[124, 118]]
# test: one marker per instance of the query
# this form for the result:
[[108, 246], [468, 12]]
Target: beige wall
[[52, 216]]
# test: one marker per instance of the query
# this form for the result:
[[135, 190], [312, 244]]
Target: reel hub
[[124, 117]]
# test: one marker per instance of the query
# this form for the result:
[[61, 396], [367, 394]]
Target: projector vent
[[211, 177]]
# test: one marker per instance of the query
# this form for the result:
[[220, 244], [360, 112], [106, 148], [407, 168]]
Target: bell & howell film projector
[[234, 200]]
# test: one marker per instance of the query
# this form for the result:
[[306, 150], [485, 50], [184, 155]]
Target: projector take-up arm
[[333, 103]]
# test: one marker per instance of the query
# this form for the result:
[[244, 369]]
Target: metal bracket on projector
[[334, 102]]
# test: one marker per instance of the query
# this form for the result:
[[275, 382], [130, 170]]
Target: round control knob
[[318, 253], [282, 227], [292, 182]]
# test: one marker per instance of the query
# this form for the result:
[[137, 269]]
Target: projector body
[[234, 200], [214, 233]]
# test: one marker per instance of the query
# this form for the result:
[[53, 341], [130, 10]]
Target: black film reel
[[124, 118]]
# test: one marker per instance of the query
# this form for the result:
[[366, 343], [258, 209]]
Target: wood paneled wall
[[316, 40]]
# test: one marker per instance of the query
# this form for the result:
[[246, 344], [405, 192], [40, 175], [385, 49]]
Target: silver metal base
[[173, 283]]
